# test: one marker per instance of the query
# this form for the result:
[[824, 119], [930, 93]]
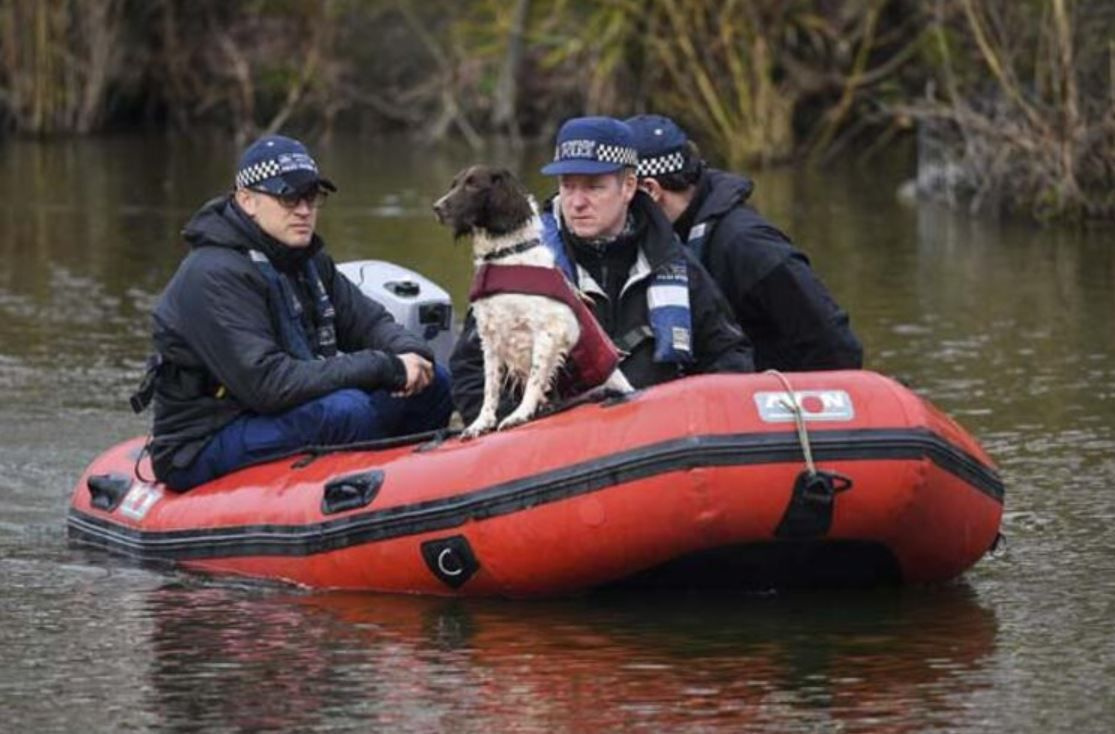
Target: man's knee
[[342, 402], [429, 409], [345, 415]]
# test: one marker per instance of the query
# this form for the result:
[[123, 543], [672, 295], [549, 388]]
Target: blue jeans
[[341, 417]]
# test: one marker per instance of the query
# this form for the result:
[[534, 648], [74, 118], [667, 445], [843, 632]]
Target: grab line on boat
[[799, 420]]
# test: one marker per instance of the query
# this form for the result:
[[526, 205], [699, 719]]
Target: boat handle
[[350, 492], [107, 490]]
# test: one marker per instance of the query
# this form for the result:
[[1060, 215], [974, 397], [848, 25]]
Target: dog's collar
[[512, 250]]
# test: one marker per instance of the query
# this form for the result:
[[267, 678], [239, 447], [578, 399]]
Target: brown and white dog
[[525, 337]]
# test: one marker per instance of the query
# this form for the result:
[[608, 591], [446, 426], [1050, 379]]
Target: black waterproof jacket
[[792, 320], [222, 356], [718, 343]]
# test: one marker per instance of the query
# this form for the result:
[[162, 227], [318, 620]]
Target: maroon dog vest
[[594, 357]]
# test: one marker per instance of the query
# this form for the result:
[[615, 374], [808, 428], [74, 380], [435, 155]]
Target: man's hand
[[419, 373]]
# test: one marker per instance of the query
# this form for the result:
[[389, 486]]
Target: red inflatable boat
[[716, 481]]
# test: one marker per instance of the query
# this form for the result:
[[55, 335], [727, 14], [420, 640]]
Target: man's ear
[[652, 188], [247, 202]]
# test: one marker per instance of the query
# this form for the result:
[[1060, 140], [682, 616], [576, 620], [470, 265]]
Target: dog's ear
[[506, 206]]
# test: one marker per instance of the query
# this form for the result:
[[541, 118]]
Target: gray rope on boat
[[791, 404]]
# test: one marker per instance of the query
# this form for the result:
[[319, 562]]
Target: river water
[[1007, 327]]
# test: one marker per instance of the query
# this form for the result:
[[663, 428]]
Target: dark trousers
[[341, 417]]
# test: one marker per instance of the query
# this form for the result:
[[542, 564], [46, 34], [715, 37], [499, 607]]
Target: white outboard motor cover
[[416, 302]]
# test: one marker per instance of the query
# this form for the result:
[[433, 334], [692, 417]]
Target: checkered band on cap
[[662, 164], [276, 163], [623, 155], [257, 172]]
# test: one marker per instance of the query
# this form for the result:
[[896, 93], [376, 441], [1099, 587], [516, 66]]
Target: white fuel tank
[[415, 301]]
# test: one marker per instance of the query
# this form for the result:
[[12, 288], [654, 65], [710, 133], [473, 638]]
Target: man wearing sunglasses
[[264, 347]]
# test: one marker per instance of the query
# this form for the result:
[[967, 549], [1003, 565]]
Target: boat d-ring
[[451, 560], [448, 563]]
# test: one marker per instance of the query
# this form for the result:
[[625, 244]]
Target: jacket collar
[[640, 270], [657, 247], [717, 192]]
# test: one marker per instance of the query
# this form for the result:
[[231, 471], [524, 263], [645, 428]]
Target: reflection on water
[[1006, 327], [590, 664]]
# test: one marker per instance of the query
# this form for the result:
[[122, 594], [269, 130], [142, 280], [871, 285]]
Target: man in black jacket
[[657, 304], [792, 320], [264, 347]]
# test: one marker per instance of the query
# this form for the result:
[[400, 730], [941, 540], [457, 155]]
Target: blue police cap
[[279, 165], [592, 145], [661, 145]]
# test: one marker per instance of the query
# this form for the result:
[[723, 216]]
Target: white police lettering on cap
[[576, 149], [590, 150], [296, 162]]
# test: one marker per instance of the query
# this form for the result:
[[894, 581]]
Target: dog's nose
[[439, 209]]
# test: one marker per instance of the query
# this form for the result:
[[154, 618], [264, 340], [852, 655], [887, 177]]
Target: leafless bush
[[1021, 120], [57, 60]]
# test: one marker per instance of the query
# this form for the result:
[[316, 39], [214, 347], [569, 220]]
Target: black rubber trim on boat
[[503, 499]]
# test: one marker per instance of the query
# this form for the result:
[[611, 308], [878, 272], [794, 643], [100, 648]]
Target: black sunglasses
[[315, 198]]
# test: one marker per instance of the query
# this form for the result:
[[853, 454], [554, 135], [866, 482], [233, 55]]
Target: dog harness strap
[[594, 357], [535, 280], [512, 250]]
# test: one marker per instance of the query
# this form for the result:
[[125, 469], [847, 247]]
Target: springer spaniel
[[530, 319]]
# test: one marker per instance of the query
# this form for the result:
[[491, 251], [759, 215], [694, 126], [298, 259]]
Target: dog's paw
[[516, 418], [478, 427], [470, 433]]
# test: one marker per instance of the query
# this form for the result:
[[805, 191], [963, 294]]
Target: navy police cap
[[279, 165], [661, 145], [592, 145]]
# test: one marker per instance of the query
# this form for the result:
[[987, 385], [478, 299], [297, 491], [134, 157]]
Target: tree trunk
[[504, 105]]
